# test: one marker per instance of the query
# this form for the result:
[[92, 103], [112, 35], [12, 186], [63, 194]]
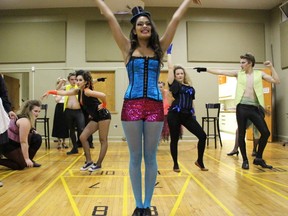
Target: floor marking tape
[[48, 187], [70, 197]]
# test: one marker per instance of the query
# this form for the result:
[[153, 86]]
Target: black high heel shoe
[[245, 165], [232, 153]]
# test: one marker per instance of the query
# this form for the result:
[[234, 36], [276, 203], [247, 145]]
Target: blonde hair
[[187, 79], [26, 110]]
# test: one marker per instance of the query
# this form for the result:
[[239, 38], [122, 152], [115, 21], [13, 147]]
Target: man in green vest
[[250, 102]]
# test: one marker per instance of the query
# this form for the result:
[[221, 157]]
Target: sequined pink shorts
[[142, 109]]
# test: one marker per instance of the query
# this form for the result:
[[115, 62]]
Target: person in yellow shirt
[[73, 113]]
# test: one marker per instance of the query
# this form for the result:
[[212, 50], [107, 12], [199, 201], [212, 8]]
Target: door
[[13, 86]]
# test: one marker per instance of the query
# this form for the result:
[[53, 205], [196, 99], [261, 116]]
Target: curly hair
[[154, 41], [87, 77]]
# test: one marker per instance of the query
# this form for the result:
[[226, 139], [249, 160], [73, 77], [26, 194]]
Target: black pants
[[75, 118], [12, 151], [256, 116], [175, 120]]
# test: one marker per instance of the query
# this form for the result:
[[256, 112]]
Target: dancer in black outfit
[[182, 112]]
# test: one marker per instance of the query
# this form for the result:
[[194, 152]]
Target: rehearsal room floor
[[59, 188]]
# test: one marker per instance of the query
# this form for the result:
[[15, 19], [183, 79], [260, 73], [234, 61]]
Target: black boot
[[245, 164], [262, 163], [146, 212], [138, 212], [73, 151]]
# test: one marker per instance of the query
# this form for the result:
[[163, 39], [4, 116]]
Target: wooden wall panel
[[224, 41], [107, 87], [26, 42], [100, 44]]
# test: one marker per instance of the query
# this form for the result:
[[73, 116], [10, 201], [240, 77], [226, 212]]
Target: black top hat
[[138, 11]]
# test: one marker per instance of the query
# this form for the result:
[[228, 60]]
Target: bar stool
[[45, 121], [213, 112]]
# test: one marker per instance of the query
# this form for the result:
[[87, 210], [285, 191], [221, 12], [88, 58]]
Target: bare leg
[[59, 141], [64, 144]]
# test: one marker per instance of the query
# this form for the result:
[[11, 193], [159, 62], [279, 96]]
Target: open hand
[[44, 96], [12, 115], [29, 163]]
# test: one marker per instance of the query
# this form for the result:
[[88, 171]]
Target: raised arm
[[121, 40], [232, 73], [274, 78], [168, 36], [170, 65], [61, 83], [223, 72]]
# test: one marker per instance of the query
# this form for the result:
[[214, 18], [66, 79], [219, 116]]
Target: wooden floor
[[59, 188]]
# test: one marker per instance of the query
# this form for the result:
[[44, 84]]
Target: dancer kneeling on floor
[[24, 141]]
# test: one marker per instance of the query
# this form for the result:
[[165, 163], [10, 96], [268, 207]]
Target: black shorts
[[101, 115]]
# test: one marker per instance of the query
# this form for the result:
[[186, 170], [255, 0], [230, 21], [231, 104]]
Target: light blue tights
[[142, 135]]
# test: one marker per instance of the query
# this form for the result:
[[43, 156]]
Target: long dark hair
[[154, 41], [87, 77]]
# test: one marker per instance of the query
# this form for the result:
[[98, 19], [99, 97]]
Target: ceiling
[[235, 4]]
